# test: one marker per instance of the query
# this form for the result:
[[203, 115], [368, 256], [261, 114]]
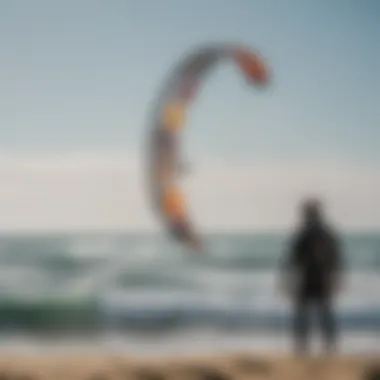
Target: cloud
[[86, 191]]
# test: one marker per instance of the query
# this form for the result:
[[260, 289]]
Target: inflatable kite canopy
[[168, 120]]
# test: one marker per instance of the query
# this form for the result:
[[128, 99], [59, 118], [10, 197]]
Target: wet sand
[[227, 367]]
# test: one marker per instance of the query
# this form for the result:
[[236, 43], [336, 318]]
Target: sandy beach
[[237, 366]]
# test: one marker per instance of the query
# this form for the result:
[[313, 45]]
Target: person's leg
[[328, 323], [301, 325]]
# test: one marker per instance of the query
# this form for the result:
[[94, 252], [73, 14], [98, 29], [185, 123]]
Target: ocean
[[142, 291]]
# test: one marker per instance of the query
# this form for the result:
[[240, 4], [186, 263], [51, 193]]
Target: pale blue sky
[[82, 74]]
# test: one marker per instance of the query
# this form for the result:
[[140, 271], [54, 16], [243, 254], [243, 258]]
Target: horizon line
[[222, 231]]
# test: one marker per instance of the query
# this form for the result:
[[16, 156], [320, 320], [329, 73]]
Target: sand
[[227, 367]]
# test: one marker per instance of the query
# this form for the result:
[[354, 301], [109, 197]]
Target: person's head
[[311, 211]]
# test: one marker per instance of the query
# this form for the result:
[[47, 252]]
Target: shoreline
[[185, 342]]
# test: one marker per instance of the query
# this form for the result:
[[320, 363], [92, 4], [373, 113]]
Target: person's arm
[[289, 263], [337, 263]]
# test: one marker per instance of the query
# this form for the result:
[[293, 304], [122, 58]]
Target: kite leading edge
[[168, 121]]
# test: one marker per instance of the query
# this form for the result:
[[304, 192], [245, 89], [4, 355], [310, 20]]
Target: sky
[[78, 79]]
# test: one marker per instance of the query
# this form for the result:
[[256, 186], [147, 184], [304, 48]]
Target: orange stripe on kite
[[174, 116], [174, 203]]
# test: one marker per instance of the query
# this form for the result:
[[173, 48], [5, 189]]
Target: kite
[[169, 117]]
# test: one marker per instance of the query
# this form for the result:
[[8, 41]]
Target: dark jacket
[[314, 260]]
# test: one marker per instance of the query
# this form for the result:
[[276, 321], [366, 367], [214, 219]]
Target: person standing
[[312, 274]]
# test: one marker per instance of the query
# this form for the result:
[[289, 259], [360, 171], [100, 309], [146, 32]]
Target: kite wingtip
[[253, 66]]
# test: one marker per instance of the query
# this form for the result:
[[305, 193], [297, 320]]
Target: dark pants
[[326, 317]]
